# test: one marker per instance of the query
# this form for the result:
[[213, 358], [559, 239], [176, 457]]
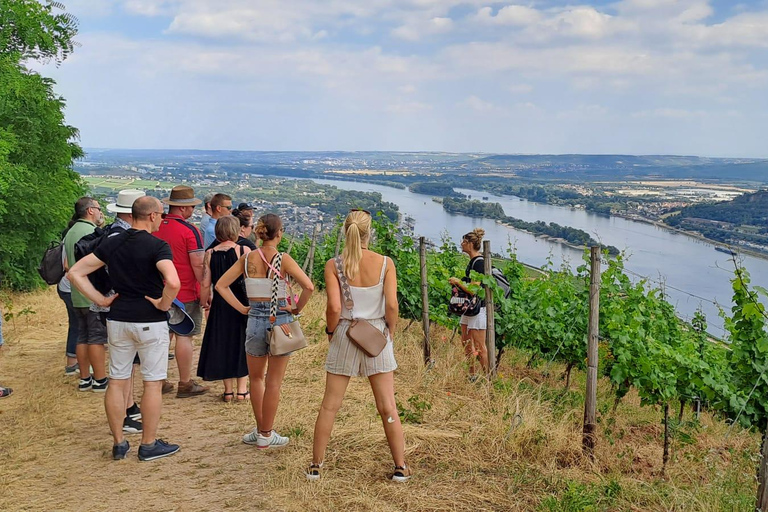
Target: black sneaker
[[120, 450], [131, 426], [133, 412], [158, 450], [85, 384], [100, 386]]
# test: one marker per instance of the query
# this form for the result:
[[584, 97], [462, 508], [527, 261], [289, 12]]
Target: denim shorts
[[257, 330]]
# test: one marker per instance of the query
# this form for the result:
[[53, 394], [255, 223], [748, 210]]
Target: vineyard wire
[[666, 285], [759, 377]]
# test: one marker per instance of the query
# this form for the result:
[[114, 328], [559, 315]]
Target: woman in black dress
[[222, 356]]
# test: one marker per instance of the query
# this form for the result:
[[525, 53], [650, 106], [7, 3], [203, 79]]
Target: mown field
[[513, 444]]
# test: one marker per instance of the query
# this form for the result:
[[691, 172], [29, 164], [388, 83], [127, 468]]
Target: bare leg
[[228, 385], [383, 386], [128, 391], [335, 387], [478, 340], [98, 359], [274, 381], [114, 404], [83, 360], [257, 367], [184, 357], [466, 341], [151, 404], [242, 385]]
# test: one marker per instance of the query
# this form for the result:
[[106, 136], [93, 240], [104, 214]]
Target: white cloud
[[520, 88], [478, 105], [514, 15], [408, 107], [671, 113], [415, 30]]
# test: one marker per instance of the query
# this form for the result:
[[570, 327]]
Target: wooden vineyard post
[[490, 329], [762, 477], [310, 261], [424, 299], [338, 240], [590, 405]]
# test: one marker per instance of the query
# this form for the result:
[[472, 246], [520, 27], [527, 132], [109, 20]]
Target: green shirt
[[81, 228]]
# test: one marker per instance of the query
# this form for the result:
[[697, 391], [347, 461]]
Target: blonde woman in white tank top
[[265, 385], [373, 285]]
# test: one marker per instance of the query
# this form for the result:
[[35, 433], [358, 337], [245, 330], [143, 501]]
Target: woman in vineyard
[[265, 385], [473, 327], [222, 356], [372, 283]]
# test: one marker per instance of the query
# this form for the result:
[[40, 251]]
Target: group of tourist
[[161, 267]]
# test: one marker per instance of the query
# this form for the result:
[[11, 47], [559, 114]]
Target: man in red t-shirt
[[187, 247]]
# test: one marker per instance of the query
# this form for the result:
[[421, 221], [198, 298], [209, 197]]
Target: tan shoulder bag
[[367, 337]]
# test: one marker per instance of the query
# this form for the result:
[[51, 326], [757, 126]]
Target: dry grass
[[511, 445]]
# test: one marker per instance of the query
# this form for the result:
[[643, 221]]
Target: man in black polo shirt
[[142, 273]]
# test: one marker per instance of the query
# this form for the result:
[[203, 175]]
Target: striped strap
[[275, 282], [345, 291]]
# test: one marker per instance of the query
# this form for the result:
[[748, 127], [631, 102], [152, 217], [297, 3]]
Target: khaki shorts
[[346, 358], [149, 340], [194, 310]]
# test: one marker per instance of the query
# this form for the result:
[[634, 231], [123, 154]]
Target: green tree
[[37, 183]]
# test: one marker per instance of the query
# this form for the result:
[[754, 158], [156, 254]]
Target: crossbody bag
[[284, 338], [367, 337]]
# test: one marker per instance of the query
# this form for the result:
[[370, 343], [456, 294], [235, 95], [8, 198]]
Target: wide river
[[693, 273]]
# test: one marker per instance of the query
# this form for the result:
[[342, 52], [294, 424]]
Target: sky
[[686, 77]]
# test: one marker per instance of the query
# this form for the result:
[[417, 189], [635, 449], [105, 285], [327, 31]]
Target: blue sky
[[628, 76]]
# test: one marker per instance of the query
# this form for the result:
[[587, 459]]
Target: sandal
[[242, 397], [227, 397], [4, 392]]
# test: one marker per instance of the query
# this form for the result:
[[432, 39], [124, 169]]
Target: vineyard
[[643, 344]]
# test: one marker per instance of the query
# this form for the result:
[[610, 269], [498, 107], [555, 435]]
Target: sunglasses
[[359, 210], [95, 207], [228, 207]]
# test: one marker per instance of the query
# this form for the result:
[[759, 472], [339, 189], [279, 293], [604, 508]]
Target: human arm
[[333, 304], [197, 260], [171, 287], [391, 308], [78, 276], [291, 268], [205, 284], [229, 277]]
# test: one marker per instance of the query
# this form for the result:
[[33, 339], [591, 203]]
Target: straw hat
[[125, 199], [182, 195]]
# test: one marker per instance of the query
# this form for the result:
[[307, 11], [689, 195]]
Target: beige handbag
[[285, 338], [367, 337]]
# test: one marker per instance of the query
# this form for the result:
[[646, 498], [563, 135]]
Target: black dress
[[222, 355]]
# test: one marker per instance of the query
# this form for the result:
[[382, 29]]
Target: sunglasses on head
[[359, 210]]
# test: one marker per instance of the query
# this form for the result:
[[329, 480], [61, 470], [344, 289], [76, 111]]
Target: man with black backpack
[[92, 333]]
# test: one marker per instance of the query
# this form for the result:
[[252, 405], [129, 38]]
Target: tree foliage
[[37, 183]]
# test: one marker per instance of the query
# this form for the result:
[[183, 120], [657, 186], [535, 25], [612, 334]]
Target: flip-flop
[[242, 397], [227, 397], [4, 392]]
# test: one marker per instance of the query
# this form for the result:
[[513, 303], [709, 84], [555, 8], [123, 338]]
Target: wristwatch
[[329, 333]]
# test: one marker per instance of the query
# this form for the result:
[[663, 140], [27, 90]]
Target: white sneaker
[[252, 436], [274, 440]]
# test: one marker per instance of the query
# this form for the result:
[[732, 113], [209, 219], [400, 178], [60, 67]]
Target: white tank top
[[369, 300], [261, 287]]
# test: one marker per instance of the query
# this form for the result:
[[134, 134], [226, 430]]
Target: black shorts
[[90, 330]]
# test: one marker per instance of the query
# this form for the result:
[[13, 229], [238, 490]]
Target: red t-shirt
[[184, 238]]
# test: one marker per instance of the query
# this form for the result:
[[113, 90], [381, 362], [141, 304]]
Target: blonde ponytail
[[357, 228]]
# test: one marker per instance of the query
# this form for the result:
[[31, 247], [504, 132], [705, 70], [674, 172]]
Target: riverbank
[[692, 234]]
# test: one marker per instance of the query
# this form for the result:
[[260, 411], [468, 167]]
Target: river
[[694, 275]]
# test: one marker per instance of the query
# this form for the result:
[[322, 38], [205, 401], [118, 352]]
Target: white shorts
[[150, 340], [476, 323]]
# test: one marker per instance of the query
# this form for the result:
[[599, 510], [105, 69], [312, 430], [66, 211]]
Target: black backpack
[[501, 280], [51, 268], [86, 245]]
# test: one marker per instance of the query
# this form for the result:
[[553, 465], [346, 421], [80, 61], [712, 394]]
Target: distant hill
[[747, 209]]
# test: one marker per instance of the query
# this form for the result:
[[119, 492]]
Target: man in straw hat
[[187, 247]]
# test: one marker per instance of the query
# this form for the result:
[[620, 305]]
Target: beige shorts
[[345, 358], [150, 340]]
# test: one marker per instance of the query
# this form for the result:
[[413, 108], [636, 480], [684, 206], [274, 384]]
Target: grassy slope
[[512, 445]]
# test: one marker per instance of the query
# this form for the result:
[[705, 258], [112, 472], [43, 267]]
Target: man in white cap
[[123, 221], [186, 244]]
